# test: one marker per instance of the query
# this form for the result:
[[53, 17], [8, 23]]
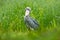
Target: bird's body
[[30, 22]]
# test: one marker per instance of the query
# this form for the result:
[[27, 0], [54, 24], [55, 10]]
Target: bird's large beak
[[27, 12]]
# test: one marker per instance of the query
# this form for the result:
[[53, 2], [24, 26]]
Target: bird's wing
[[35, 21]]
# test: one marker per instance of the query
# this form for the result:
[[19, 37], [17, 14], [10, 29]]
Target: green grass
[[46, 12]]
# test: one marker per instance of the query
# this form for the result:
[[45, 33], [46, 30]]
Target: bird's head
[[27, 11]]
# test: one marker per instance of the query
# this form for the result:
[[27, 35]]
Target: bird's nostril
[[26, 16]]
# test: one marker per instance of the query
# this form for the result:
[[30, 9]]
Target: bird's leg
[[28, 28], [31, 29]]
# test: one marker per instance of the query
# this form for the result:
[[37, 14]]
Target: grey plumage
[[30, 22]]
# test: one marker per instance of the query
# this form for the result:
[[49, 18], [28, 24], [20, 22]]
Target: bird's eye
[[28, 9]]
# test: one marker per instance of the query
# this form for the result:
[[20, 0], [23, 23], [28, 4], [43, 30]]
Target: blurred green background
[[46, 12]]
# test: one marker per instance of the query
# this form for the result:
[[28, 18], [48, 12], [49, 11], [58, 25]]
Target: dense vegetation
[[46, 12]]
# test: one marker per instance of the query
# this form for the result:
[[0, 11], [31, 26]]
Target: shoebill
[[31, 23]]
